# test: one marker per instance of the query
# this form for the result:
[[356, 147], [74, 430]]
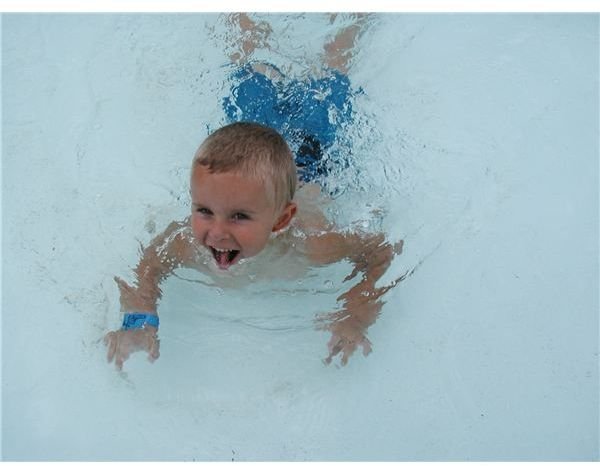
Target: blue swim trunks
[[307, 113]]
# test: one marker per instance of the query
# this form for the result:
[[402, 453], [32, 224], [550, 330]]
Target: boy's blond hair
[[252, 150]]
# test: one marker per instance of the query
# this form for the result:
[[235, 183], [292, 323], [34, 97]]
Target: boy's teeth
[[224, 257]]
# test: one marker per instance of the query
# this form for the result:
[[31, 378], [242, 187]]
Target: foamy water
[[475, 141]]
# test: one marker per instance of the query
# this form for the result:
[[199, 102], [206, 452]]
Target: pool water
[[475, 141]]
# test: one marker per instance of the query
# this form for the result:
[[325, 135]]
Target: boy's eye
[[203, 211], [240, 216]]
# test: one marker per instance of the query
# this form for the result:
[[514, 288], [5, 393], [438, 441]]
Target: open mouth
[[224, 257]]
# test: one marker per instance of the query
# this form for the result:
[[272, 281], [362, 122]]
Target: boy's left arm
[[371, 255]]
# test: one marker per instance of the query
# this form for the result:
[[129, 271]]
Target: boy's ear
[[285, 217]]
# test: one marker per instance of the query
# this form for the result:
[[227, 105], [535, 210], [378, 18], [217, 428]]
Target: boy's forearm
[[149, 274], [372, 256], [158, 261], [144, 295]]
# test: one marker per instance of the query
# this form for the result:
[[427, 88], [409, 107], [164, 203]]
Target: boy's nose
[[218, 232]]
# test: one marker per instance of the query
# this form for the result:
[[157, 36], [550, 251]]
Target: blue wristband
[[139, 321]]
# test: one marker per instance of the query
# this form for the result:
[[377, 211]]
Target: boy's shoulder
[[311, 218], [321, 243]]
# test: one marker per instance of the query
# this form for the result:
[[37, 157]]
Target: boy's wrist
[[140, 320]]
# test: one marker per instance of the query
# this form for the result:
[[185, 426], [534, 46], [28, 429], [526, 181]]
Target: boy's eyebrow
[[244, 211], [241, 211]]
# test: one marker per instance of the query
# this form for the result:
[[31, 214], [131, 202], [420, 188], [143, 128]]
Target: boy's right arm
[[166, 252]]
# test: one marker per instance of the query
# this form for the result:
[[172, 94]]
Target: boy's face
[[232, 215]]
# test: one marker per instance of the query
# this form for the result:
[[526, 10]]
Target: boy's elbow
[[378, 255]]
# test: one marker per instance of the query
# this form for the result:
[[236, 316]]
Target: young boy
[[243, 192]]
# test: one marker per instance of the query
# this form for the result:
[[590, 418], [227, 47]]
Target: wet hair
[[252, 150]]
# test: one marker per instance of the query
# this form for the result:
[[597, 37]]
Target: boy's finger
[[345, 358], [154, 352], [367, 348], [122, 283], [108, 337], [123, 286], [109, 340], [334, 349], [119, 360], [334, 345], [348, 351]]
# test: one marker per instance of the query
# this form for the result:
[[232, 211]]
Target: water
[[476, 142]]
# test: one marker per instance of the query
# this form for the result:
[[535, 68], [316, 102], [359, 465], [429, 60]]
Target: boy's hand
[[349, 325], [122, 343], [346, 336]]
